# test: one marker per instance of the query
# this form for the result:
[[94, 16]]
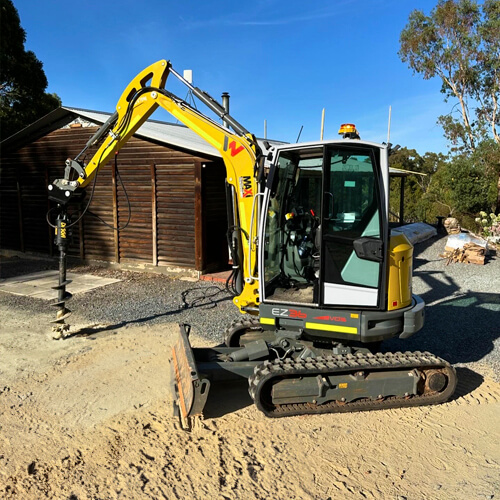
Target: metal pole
[[402, 202], [322, 124], [389, 126]]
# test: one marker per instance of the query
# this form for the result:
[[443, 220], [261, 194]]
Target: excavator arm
[[238, 148]]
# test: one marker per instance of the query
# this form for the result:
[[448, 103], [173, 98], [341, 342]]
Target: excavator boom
[[238, 148]]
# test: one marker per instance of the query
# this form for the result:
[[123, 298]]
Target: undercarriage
[[288, 375]]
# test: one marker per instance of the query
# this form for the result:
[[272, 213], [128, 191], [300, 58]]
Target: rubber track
[[279, 369], [240, 327]]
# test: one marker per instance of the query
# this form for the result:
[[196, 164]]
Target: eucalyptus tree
[[459, 42]]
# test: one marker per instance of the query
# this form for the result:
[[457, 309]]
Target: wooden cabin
[[174, 181]]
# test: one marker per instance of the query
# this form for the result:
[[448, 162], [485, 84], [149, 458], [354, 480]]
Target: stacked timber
[[470, 253]]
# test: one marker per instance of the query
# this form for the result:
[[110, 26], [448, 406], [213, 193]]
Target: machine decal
[[63, 230], [331, 318], [246, 186], [267, 321], [332, 328], [288, 313], [235, 150]]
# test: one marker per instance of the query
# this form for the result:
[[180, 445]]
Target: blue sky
[[281, 61]]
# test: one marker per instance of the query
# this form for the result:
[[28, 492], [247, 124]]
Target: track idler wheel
[[435, 381]]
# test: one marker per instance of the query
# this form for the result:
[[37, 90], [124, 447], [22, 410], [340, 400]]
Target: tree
[[419, 191], [459, 43], [487, 87], [22, 80], [470, 181]]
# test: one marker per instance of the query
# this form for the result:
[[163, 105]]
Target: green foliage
[[459, 43], [461, 186], [420, 202], [22, 80], [487, 87], [471, 186]]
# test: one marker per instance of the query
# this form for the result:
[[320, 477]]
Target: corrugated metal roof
[[164, 132], [171, 134]]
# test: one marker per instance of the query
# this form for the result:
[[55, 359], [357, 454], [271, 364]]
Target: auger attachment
[[61, 241]]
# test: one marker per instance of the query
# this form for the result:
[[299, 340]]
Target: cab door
[[353, 227]]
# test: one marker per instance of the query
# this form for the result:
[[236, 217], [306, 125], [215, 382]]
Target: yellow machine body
[[399, 272]]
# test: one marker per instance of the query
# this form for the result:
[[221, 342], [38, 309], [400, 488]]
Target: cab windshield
[[321, 200]]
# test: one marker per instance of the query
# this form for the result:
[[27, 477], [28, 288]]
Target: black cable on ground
[[204, 299]]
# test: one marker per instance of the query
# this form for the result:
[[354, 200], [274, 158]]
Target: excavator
[[317, 276]]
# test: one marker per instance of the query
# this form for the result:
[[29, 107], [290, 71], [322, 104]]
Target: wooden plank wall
[[175, 199], [161, 184], [214, 211], [29, 170], [11, 229]]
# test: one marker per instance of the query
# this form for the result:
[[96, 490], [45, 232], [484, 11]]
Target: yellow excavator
[[317, 276]]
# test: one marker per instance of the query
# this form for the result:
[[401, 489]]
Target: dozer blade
[[191, 390]]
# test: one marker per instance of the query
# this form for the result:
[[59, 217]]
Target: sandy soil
[[91, 417]]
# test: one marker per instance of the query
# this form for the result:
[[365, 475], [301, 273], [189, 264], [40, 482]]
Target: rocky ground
[[89, 417]]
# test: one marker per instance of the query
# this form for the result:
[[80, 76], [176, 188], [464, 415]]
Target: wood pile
[[470, 254]]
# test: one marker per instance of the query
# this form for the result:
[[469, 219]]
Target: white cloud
[[267, 14]]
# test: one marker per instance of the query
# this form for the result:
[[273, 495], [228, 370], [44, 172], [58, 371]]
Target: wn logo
[[232, 147], [246, 186]]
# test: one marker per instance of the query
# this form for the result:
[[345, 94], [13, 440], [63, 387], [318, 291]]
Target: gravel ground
[[463, 309], [462, 314], [139, 298]]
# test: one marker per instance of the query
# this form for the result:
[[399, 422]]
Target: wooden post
[[20, 211], [115, 211], [81, 232], [389, 126], [198, 218], [322, 123], [154, 215], [49, 229], [402, 202]]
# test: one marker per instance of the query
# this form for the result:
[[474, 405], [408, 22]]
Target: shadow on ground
[[467, 382], [461, 328], [227, 397]]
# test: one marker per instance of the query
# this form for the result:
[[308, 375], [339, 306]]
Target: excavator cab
[[324, 205], [328, 264]]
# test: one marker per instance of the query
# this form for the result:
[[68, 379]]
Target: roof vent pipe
[[225, 105]]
